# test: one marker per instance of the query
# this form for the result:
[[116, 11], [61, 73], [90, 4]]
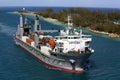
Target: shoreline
[[112, 35], [99, 32], [49, 19], [55, 21]]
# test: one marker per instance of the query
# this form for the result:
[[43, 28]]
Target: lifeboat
[[52, 42]]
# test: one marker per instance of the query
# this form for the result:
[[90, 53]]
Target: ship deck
[[45, 50]]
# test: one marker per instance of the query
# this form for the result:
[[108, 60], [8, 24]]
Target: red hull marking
[[65, 69]]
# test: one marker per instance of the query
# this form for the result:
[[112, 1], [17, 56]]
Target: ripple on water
[[105, 73], [8, 30]]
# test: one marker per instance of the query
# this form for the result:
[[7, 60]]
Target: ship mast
[[21, 20], [20, 26], [70, 23], [36, 30], [37, 26]]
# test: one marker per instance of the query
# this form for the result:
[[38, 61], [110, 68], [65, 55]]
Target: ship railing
[[51, 31], [86, 36], [67, 37]]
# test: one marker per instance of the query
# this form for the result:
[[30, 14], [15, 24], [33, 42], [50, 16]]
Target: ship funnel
[[36, 38], [36, 26]]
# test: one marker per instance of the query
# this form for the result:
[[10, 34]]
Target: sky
[[62, 3]]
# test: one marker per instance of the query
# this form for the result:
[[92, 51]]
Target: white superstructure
[[72, 41]]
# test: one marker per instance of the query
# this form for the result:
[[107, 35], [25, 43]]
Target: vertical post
[[36, 38], [36, 26], [21, 20], [69, 25], [21, 29]]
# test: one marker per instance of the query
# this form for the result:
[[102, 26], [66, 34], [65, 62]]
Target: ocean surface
[[18, 64]]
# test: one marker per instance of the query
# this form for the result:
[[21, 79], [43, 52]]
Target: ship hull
[[60, 63], [80, 59]]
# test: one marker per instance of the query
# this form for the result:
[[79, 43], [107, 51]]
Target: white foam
[[7, 29]]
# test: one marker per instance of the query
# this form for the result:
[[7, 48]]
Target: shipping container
[[29, 41]]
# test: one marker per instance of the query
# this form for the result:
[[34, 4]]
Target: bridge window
[[61, 44], [76, 37]]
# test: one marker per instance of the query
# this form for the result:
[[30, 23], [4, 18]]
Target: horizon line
[[62, 6]]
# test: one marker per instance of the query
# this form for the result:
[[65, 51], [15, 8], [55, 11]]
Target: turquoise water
[[17, 64]]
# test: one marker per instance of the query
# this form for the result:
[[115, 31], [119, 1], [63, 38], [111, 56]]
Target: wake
[[8, 30]]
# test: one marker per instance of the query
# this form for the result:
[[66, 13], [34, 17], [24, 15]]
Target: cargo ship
[[68, 51]]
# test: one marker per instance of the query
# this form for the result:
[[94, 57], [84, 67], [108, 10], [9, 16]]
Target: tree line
[[94, 19]]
